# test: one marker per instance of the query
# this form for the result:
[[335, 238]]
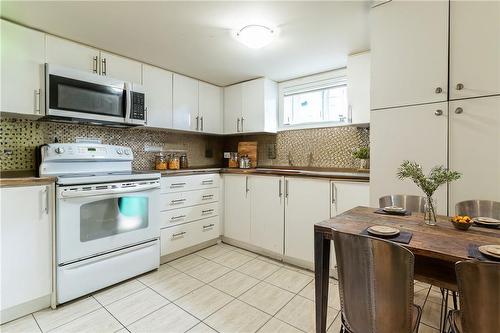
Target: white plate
[[394, 209], [382, 230], [489, 220], [490, 250], [487, 224]]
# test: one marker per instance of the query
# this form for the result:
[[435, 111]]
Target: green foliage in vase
[[438, 176], [363, 153]]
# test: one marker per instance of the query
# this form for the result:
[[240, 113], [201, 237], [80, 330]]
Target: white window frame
[[312, 82]]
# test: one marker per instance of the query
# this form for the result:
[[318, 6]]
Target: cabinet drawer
[[188, 183], [188, 214], [190, 198], [182, 236]]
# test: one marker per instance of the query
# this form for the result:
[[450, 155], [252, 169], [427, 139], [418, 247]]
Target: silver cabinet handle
[[459, 86], [349, 114], [246, 186], [37, 101], [242, 126], [207, 182], [238, 125], [209, 226], [104, 67], [438, 112], [179, 234], [45, 200], [207, 197], [279, 189], [459, 110], [176, 185], [178, 201], [201, 127], [334, 199], [146, 115], [438, 90], [286, 188], [207, 211], [94, 64], [177, 217], [197, 123]]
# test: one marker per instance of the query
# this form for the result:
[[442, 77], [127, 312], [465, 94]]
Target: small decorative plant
[[363, 154], [439, 175]]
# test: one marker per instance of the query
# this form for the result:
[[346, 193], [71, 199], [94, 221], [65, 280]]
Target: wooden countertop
[[23, 178]]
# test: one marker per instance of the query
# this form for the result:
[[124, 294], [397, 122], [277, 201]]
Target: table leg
[[321, 273]]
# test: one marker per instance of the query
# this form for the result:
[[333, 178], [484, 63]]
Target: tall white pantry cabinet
[[420, 114]]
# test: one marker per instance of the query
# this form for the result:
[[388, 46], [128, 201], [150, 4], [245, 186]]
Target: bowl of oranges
[[461, 222]]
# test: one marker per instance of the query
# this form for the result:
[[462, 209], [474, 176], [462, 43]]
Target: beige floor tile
[[26, 324], [176, 286], [134, 307], [333, 294], [201, 328], [186, 263], [234, 283], [271, 261], [304, 271], [119, 291], [419, 287], [49, 319], [170, 318], [209, 271], [214, 251], [123, 330], [335, 326], [436, 297], [419, 297], [427, 329], [204, 301], [232, 259], [258, 269], [237, 317], [430, 314], [299, 312], [277, 326], [163, 272], [267, 297], [98, 321], [289, 280]]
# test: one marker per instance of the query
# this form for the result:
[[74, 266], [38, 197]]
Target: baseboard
[[24, 309], [252, 248], [189, 250]]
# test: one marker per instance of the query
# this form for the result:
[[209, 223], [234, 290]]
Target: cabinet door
[[475, 149], [409, 53], [26, 243], [358, 87], [23, 56], [347, 195], [236, 208], [210, 106], [158, 90], [267, 212], [185, 101], [474, 48], [307, 202], [253, 111], [69, 54], [232, 108], [415, 133], [121, 68]]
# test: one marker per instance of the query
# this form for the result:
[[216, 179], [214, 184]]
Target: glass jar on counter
[[174, 162], [161, 161], [184, 161], [233, 160]]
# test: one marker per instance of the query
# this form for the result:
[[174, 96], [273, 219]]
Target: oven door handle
[[89, 193]]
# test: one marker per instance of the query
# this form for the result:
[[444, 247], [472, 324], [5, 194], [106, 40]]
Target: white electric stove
[[107, 216]]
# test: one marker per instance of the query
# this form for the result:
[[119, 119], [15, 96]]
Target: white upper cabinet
[[415, 133], [158, 90], [121, 68], [69, 54], [474, 48], [210, 108], [358, 87], [475, 149], [232, 108], [23, 56], [409, 53], [185, 103]]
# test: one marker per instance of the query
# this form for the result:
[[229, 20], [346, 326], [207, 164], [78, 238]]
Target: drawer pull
[[177, 185], [179, 234], [178, 201], [209, 226], [207, 182], [207, 211], [208, 196], [177, 217]]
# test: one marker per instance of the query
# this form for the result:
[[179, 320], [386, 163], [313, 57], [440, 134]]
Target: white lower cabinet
[[347, 195], [236, 208], [26, 250], [183, 236]]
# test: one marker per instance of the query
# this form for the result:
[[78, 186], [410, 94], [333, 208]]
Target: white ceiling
[[194, 38]]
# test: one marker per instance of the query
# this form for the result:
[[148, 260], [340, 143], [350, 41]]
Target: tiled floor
[[219, 289]]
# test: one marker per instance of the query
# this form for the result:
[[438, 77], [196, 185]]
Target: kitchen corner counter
[[23, 178]]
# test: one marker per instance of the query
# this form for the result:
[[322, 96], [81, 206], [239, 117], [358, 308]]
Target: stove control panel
[[86, 152]]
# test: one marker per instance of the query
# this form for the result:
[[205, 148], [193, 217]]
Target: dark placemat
[[383, 212], [473, 252], [403, 237]]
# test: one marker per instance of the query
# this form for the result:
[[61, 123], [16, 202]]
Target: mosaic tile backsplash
[[324, 147]]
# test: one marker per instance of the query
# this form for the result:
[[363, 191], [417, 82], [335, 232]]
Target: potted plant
[[438, 176], [363, 154]]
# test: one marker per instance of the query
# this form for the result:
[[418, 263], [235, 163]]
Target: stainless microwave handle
[[94, 64], [139, 188], [128, 101]]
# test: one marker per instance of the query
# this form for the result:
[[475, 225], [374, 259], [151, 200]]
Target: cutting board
[[249, 148]]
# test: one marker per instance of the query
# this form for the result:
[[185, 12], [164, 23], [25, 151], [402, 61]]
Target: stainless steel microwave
[[78, 96]]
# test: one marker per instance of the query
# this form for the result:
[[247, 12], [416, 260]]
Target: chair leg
[[444, 308], [455, 302]]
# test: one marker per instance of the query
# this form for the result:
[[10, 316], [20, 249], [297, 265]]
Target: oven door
[[96, 221]]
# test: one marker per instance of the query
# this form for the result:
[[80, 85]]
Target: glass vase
[[430, 211]]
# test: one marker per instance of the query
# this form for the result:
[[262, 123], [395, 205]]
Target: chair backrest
[[375, 284], [479, 290], [475, 208], [412, 203]]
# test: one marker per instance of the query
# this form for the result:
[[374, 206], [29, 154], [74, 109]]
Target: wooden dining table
[[436, 248]]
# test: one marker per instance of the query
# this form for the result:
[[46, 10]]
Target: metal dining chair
[[375, 285], [479, 290], [412, 203], [475, 208]]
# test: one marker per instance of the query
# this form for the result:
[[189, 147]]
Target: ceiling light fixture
[[255, 36]]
